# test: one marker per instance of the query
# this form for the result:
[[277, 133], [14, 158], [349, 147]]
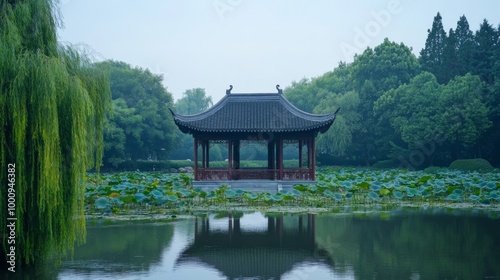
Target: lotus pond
[[140, 192]]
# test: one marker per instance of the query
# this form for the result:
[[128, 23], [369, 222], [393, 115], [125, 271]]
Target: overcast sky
[[252, 44]]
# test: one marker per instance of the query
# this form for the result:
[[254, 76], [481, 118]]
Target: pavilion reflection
[[243, 249]]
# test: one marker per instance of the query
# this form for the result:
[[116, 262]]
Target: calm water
[[400, 244]]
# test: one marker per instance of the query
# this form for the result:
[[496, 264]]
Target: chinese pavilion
[[246, 117]]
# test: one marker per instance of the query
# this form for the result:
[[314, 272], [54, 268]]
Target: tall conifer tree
[[465, 46], [432, 55]]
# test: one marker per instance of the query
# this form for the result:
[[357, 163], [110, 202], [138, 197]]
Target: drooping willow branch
[[53, 105]]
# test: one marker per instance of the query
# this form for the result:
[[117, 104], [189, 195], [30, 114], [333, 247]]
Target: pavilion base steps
[[251, 185]]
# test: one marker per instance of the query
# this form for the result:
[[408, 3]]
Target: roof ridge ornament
[[228, 91], [280, 91]]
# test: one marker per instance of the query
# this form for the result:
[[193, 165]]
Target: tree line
[[412, 111], [398, 108]]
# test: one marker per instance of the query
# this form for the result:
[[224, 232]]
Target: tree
[[451, 64], [376, 71], [432, 55], [465, 117], [302, 95], [141, 126], [425, 113], [123, 133], [465, 46], [53, 103], [413, 111], [339, 138], [193, 101], [484, 55]]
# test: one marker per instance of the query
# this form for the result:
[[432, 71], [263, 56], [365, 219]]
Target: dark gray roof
[[253, 112]]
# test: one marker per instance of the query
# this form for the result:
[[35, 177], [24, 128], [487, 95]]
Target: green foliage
[[465, 116], [140, 126], [432, 55], [193, 101], [382, 164], [390, 109], [433, 169], [412, 109], [53, 104], [476, 164], [376, 71]]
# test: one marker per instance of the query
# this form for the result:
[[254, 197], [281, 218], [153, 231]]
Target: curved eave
[[197, 123], [186, 127]]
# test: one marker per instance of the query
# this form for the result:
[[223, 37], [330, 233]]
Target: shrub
[[475, 164], [433, 169], [390, 163]]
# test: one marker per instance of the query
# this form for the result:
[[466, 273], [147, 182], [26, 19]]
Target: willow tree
[[53, 103]]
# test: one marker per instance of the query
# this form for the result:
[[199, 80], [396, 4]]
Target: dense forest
[[398, 109], [412, 111]]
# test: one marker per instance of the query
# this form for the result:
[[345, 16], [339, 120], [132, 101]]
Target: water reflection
[[397, 244], [267, 252], [433, 244], [120, 249]]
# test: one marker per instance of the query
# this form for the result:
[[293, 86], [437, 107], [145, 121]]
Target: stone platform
[[251, 185]]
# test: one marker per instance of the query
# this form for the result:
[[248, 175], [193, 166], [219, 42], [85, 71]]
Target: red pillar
[[236, 154], [230, 159], [280, 158], [203, 154], [308, 144], [300, 153], [309, 157], [313, 148], [207, 151], [196, 159]]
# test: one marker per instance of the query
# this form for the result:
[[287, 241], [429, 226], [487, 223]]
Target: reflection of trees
[[118, 249], [121, 248], [437, 246]]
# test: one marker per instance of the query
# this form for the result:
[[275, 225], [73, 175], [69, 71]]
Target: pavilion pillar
[[207, 151], [203, 154], [279, 158], [270, 159], [313, 144], [236, 154], [230, 159], [300, 153], [308, 146], [309, 157], [196, 178]]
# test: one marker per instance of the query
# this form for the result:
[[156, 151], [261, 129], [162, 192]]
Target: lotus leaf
[[397, 194], [373, 195], [172, 198], [337, 196], [102, 203], [139, 197], [251, 196], [156, 194]]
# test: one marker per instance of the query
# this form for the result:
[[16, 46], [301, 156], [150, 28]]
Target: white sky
[[252, 44]]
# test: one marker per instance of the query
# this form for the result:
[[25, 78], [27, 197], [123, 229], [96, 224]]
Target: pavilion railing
[[297, 174], [213, 174]]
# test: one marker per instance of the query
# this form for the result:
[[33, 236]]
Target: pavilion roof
[[253, 112]]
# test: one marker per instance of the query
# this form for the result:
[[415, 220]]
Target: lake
[[402, 243]]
